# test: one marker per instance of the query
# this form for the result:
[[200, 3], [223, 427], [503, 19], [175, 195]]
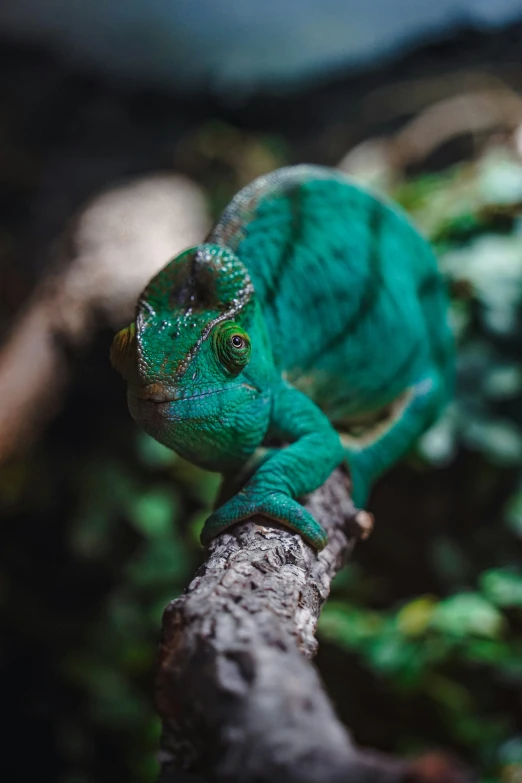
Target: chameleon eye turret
[[232, 346], [303, 252]]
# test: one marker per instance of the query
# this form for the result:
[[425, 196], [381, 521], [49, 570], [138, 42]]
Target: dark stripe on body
[[370, 294], [431, 284], [295, 197]]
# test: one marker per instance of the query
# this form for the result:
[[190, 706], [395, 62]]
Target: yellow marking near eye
[[122, 349]]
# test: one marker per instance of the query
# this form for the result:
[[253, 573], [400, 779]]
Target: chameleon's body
[[313, 313]]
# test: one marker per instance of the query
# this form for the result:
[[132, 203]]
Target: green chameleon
[[310, 328]]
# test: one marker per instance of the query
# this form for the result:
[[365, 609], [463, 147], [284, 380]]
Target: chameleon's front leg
[[314, 452]]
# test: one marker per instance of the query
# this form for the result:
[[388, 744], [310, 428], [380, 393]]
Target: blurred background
[[124, 129]]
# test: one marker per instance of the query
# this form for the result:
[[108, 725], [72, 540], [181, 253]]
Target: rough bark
[[239, 696]]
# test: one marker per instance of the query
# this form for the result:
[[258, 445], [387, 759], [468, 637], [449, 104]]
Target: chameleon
[[308, 330]]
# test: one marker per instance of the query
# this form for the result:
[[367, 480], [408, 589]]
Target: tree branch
[[238, 694]]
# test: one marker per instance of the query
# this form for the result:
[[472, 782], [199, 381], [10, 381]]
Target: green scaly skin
[[314, 316]]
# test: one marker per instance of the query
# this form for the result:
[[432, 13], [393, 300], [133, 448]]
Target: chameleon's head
[[197, 359]]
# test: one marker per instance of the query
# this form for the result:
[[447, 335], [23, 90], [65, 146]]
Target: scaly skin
[[313, 316]]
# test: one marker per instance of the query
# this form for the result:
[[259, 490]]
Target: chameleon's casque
[[314, 316]]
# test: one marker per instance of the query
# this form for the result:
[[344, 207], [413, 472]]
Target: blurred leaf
[[467, 614], [200, 484], [152, 453], [449, 693], [513, 513], [348, 626], [499, 439], [500, 178], [439, 443], [391, 654], [503, 586], [510, 752], [414, 618], [154, 513], [157, 563], [503, 381]]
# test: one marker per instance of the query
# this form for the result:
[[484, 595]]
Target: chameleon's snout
[[124, 360], [155, 392]]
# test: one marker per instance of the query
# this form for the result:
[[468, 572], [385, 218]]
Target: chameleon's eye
[[232, 346]]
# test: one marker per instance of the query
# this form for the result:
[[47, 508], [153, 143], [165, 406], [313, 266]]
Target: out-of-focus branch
[[110, 251], [487, 111], [238, 694]]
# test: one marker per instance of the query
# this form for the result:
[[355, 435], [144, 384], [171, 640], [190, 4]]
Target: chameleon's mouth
[[156, 392]]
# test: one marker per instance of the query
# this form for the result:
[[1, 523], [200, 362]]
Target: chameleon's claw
[[274, 505]]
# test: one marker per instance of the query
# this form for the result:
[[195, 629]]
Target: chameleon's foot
[[274, 505]]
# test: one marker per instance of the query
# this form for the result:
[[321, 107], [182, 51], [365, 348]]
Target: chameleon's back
[[355, 307]]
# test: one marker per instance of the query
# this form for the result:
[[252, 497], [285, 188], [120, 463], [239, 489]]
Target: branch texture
[[238, 694]]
